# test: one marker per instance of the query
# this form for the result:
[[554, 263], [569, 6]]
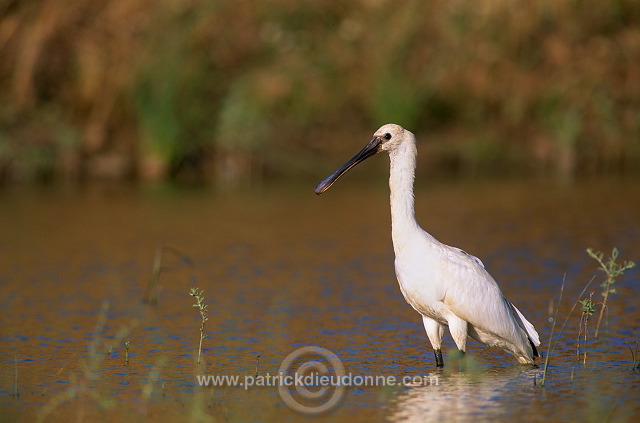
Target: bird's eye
[[387, 136]]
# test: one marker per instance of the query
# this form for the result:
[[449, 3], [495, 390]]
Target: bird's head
[[390, 135], [386, 138]]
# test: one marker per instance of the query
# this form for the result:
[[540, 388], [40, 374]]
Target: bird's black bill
[[369, 150]]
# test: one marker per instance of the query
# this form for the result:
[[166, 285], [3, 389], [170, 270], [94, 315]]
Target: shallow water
[[282, 269]]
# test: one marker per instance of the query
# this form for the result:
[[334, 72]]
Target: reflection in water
[[461, 397]]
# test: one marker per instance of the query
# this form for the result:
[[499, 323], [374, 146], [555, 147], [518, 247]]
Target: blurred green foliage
[[232, 91]]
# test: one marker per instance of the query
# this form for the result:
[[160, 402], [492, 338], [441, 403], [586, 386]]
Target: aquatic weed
[[551, 347], [613, 270], [587, 307], [126, 353], [202, 308]]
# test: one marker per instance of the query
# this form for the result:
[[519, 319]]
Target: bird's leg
[[439, 360], [459, 331], [434, 332]]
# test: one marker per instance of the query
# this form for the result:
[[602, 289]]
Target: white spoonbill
[[447, 286]]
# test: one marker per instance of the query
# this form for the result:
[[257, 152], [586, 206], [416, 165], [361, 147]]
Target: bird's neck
[[402, 174]]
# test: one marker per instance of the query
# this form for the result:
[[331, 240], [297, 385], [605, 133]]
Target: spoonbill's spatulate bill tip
[[447, 286]]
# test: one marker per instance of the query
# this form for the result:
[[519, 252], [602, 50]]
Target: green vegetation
[[202, 309], [126, 353], [231, 91], [587, 306], [613, 270]]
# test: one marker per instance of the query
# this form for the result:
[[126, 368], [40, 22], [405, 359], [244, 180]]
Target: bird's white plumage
[[447, 286]]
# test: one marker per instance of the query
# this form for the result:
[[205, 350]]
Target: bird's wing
[[524, 323], [463, 253], [468, 285], [477, 298]]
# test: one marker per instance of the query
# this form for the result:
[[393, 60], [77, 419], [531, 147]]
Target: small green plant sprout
[[587, 307], [126, 353], [613, 270], [202, 308]]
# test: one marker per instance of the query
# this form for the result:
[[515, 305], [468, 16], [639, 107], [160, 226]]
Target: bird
[[447, 286]]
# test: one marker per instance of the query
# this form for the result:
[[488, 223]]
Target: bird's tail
[[532, 335]]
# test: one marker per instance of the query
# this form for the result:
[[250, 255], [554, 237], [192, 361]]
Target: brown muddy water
[[282, 269]]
